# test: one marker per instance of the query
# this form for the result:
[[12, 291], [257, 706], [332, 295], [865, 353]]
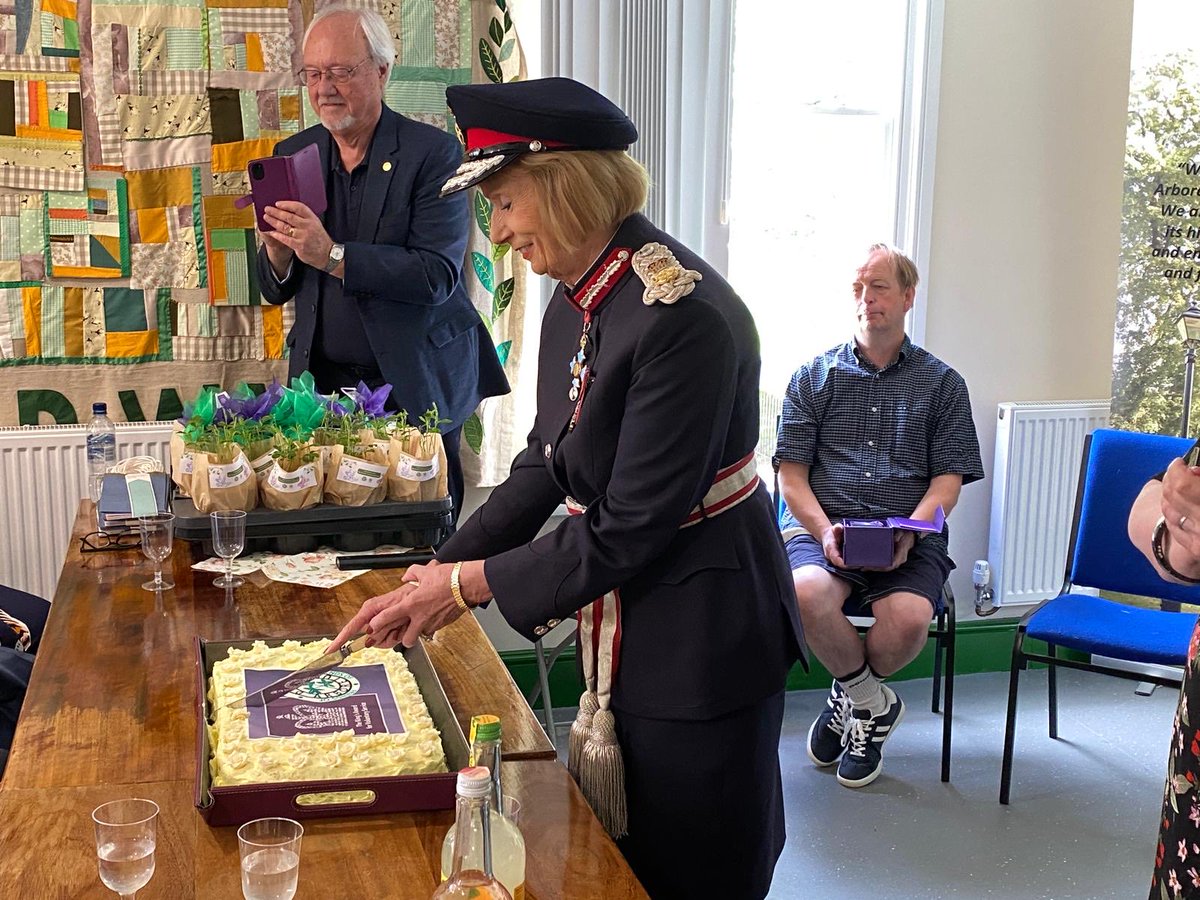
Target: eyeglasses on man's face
[[336, 74]]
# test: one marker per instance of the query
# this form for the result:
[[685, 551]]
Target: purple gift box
[[870, 543]]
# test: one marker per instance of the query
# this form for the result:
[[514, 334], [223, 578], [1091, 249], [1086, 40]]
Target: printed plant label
[[413, 469], [353, 470], [291, 482], [231, 474]]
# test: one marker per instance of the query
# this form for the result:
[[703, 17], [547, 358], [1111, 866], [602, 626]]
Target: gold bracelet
[[456, 587], [1158, 544]]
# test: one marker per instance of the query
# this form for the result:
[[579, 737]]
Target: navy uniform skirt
[[705, 802]]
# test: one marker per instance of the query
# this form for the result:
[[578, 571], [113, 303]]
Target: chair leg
[[544, 691], [1052, 684], [1010, 723], [948, 713], [939, 646]]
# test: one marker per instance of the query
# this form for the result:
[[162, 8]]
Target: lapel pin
[[387, 165]]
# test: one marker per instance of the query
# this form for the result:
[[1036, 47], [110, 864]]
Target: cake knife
[[302, 676]]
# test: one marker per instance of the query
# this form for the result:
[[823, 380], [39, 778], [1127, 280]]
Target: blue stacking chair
[[942, 628], [1116, 465]]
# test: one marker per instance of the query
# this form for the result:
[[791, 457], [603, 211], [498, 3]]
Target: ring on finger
[[292, 231]]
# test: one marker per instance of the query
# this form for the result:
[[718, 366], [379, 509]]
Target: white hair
[[378, 36]]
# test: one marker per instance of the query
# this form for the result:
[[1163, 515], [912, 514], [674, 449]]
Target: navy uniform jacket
[[709, 620], [403, 269]]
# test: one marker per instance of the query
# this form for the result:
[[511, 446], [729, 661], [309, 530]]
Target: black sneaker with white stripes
[[863, 760], [826, 736]]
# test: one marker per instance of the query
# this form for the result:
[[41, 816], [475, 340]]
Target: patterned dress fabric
[[1177, 857]]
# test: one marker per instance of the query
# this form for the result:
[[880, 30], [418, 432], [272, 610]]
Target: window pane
[[817, 97]]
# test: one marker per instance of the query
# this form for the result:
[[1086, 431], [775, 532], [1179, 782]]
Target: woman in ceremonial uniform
[[647, 419]]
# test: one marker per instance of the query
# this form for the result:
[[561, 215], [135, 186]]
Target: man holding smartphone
[[377, 279]]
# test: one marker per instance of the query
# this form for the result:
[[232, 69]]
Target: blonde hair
[[905, 268], [581, 192]]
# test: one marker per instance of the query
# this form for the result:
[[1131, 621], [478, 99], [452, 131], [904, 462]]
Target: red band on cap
[[485, 137]]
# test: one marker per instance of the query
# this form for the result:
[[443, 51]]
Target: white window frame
[[917, 155]]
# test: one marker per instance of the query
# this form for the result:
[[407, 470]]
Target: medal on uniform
[[579, 361]]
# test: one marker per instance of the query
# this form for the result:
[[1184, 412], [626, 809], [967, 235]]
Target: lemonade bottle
[[471, 867], [508, 846]]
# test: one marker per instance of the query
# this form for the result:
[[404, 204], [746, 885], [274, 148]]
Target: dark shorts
[[923, 573]]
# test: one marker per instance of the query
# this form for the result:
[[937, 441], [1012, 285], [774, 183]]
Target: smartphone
[[294, 177], [1192, 457]]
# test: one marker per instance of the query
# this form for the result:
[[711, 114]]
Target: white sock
[[865, 691]]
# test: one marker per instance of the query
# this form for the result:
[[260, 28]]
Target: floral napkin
[[316, 568]]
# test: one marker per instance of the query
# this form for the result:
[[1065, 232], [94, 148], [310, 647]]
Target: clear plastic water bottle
[[101, 448]]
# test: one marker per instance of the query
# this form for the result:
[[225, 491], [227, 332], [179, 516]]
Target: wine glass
[[229, 538], [125, 834], [270, 853], [158, 534]]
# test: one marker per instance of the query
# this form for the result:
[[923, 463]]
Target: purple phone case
[[294, 177]]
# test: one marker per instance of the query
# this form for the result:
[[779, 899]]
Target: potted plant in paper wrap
[[296, 477], [255, 412], [417, 461], [304, 414], [357, 473], [186, 432], [221, 474]]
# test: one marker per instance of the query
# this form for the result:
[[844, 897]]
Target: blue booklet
[[124, 498]]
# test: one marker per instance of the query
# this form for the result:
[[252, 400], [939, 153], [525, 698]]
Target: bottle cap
[[474, 782], [99, 409], [485, 728]]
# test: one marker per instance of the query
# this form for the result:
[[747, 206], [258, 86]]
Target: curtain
[[496, 279], [668, 64]]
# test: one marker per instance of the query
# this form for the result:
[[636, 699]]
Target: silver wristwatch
[[336, 253]]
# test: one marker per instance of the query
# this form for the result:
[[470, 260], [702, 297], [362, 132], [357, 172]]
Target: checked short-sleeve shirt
[[875, 438]]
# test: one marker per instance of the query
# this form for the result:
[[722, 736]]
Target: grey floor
[[1082, 822]]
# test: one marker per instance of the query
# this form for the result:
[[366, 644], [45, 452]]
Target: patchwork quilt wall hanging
[[126, 272]]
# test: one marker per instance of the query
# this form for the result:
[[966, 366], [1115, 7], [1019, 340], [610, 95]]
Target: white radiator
[[1036, 473], [43, 476]]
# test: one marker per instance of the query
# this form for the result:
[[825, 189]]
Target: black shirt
[[340, 336]]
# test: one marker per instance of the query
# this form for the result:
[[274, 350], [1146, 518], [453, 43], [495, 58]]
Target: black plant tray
[[351, 528]]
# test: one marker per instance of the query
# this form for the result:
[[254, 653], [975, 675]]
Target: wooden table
[[111, 713]]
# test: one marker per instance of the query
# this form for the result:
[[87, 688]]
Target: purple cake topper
[[354, 698]]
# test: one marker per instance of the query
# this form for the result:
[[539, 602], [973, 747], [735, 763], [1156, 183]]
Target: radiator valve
[[981, 578]]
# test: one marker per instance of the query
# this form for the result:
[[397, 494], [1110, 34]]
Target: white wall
[[1027, 207]]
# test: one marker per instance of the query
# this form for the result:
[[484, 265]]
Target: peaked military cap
[[497, 123]]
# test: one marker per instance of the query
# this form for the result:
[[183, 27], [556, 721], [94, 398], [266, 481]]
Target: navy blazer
[[404, 271], [709, 619]]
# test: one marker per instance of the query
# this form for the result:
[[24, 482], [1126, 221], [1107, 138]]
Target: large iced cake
[[366, 718]]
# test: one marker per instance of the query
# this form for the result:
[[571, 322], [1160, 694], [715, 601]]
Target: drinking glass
[[270, 852], [229, 539], [512, 810], [158, 534], [125, 833]]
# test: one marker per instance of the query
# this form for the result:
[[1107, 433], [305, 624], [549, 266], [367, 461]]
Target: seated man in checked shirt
[[876, 427]]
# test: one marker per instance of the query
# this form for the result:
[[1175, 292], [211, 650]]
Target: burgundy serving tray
[[238, 804]]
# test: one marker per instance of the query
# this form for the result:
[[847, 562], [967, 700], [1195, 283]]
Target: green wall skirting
[[981, 646]]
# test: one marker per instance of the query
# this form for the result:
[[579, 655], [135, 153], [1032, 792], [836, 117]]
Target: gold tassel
[[602, 774], [580, 728]]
